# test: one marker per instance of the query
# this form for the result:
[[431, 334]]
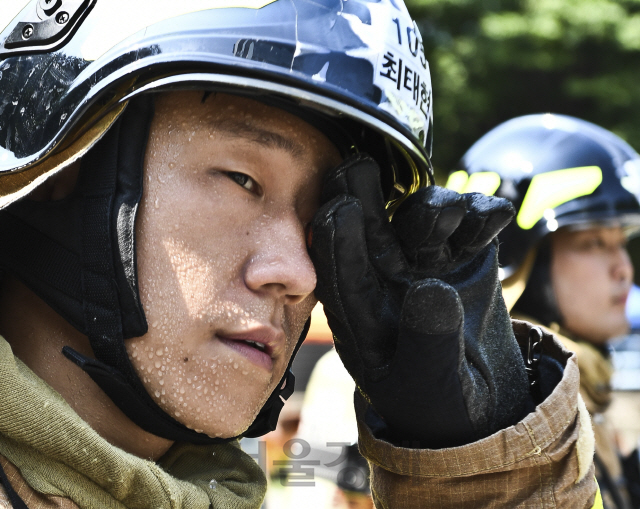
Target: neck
[[37, 334]]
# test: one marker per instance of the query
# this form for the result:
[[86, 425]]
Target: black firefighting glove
[[416, 309]]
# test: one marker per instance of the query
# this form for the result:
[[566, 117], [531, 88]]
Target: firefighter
[[563, 259]]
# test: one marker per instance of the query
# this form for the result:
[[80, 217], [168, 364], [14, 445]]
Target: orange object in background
[[319, 331]]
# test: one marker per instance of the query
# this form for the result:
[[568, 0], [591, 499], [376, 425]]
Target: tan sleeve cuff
[[534, 460]]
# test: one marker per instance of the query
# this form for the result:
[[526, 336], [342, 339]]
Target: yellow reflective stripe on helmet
[[485, 182], [597, 504], [457, 180], [549, 190]]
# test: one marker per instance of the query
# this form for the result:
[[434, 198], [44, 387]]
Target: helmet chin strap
[[78, 254]]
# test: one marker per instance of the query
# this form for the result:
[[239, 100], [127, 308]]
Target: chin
[[622, 330], [227, 422], [615, 330], [229, 429], [221, 426]]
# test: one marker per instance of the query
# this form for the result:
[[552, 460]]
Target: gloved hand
[[416, 309]]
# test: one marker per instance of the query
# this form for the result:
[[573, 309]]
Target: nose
[[621, 267], [280, 265]]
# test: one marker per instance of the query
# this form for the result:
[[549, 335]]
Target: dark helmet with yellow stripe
[[558, 171]]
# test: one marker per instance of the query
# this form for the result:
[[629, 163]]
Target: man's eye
[[244, 181]]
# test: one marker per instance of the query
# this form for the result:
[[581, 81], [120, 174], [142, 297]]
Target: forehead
[[567, 236], [245, 120]]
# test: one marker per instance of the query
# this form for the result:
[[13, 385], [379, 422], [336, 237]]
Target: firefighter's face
[[225, 278], [591, 276]]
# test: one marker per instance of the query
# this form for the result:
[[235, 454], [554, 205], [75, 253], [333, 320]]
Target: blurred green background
[[492, 60]]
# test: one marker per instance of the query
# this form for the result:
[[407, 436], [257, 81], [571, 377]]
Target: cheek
[[577, 282], [176, 275], [189, 256]]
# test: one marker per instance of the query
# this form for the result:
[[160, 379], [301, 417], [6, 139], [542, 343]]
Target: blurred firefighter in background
[[564, 262]]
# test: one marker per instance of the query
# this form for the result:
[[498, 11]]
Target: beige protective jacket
[[596, 371]]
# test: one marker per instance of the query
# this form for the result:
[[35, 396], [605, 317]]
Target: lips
[[620, 300], [257, 345]]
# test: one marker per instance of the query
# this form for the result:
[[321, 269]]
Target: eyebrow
[[238, 129]]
